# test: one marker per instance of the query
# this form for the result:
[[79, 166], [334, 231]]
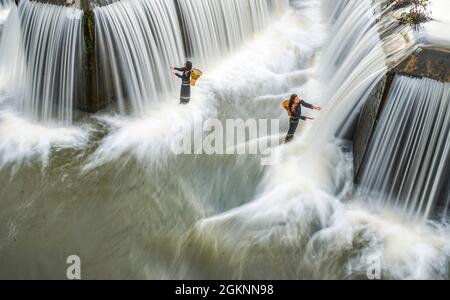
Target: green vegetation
[[92, 104], [417, 13]]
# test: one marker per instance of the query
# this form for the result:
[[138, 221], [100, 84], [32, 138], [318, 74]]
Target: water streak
[[409, 156], [212, 28], [137, 41], [41, 60]]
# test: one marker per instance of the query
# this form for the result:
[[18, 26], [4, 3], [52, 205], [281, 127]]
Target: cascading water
[[137, 41], [212, 29], [410, 152], [5, 5], [138, 62], [41, 59], [355, 60], [11, 62], [132, 68], [301, 210], [132, 209]]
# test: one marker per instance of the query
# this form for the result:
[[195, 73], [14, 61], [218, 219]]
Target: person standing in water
[[185, 76], [294, 108]]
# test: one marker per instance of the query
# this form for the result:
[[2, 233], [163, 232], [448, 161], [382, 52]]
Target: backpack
[[196, 74], [286, 106]]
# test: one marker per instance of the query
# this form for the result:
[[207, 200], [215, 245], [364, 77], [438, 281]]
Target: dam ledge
[[429, 58]]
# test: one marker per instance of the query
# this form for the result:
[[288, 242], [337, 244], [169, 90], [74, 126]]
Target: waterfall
[[409, 157], [137, 41], [362, 43], [399, 170], [4, 11], [11, 60], [4, 4], [351, 65], [213, 28], [43, 42], [110, 188], [332, 9]]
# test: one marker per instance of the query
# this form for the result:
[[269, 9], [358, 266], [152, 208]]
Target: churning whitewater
[[108, 188]]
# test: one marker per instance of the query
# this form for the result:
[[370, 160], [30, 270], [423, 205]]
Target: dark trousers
[[185, 96], [293, 124]]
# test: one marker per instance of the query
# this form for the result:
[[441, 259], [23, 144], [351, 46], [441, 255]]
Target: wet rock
[[426, 63], [92, 103], [367, 122]]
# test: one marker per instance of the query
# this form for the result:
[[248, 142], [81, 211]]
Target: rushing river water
[[107, 187]]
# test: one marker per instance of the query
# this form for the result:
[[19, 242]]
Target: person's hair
[[292, 101], [188, 66]]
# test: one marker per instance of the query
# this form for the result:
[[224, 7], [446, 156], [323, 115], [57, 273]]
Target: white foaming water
[[24, 142], [39, 65], [300, 211], [437, 32], [303, 221], [268, 68], [138, 63], [299, 217], [149, 138], [27, 77], [263, 69]]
